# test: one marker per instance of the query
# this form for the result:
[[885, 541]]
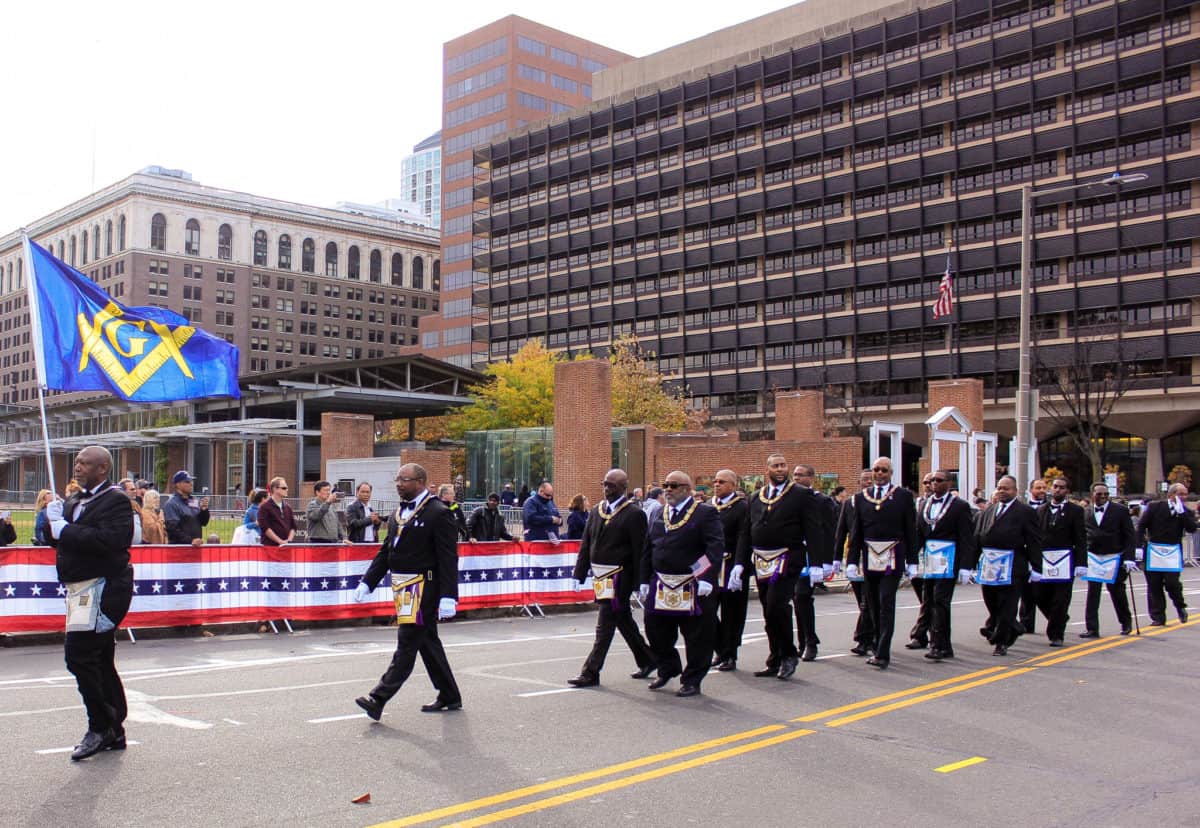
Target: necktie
[[674, 514], [878, 492], [1000, 510], [774, 492]]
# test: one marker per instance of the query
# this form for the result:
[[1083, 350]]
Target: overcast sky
[[304, 101]]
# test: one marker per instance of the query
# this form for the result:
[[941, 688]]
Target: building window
[[121, 233], [563, 56], [285, 252], [531, 101], [331, 259], [191, 238], [85, 247], [353, 265], [565, 84], [96, 241], [260, 248], [225, 242], [72, 251], [108, 230], [531, 73], [528, 44], [397, 270], [418, 275], [436, 282], [308, 256], [158, 232], [376, 266]]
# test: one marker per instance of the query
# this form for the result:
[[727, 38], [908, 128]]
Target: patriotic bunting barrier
[[182, 585]]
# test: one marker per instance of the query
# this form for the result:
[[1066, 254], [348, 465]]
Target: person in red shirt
[[275, 517]]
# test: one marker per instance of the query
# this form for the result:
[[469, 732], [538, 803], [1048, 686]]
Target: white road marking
[[338, 718], [48, 751], [233, 722], [832, 655], [140, 710], [547, 692]]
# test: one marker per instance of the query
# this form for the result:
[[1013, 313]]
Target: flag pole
[[39, 355], [953, 321]]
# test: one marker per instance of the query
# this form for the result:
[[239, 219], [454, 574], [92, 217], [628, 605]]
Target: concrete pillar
[[1154, 463], [582, 428]]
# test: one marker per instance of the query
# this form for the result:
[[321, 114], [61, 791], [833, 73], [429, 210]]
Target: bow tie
[[936, 500], [407, 504], [84, 495]]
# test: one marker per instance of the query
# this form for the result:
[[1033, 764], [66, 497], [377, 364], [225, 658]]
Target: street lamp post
[[1024, 407]]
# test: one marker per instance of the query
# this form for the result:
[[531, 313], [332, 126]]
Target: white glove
[[827, 571], [816, 575], [1080, 571], [1131, 566], [56, 527], [964, 576], [54, 511], [447, 607], [1034, 576], [644, 593], [911, 569], [852, 572], [704, 588], [837, 566], [361, 592], [735, 578]]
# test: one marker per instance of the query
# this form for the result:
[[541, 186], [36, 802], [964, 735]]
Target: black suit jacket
[[357, 521], [1017, 529], [895, 519], [1066, 532], [616, 542], [735, 516], [824, 512], [96, 545], [1158, 525], [793, 522], [428, 545], [676, 551], [1113, 534], [955, 523], [487, 525]]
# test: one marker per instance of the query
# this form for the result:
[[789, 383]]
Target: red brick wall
[[281, 461], [345, 436], [967, 396], [701, 455], [800, 415], [435, 463], [582, 428], [176, 459]]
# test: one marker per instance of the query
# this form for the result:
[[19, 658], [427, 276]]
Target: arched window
[[260, 248], [308, 256], [108, 238], [285, 252], [85, 246], [61, 251], [225, 242], [20, 275], [435, 283], [158, 232], [418, 279], [397, 270], [121, 233], [352, 263], [72, 251], [376, 266], [191, 238], [96, 241], [331, 259]]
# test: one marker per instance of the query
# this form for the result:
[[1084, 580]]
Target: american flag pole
[[953, 321], [944, 306]]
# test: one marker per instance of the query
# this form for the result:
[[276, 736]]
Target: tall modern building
[[421, 178], [503, 76], [289, 284], [774, 205]]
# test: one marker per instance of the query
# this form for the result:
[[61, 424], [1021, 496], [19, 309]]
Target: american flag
[[945, 300]]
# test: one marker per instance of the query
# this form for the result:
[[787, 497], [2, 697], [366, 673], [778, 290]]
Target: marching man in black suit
[[820, 559], [611, 551], [944, 518], [92, 531], [864, 630], [680, 564], [1109, 531], [732, 603], [1061, 523], [883, 543], [421, 552], [1010, 528], [782, 527], [1164, 522]]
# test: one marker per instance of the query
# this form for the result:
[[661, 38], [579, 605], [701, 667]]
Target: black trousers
[[1120, 602], [776, 601], [881, 605], [1001, 603], [1054, 600], [609, 619], [1027, 604], [937, 595], [731, 620], [1156, 582], [664, 628], [920, 629], [91, 658], [806, 612], [864, 628], [412, 639]]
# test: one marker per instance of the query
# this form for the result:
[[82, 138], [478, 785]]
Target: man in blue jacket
[[541, 516]]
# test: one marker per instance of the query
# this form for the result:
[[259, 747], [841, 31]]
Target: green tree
[[517, 394], [638, 394]]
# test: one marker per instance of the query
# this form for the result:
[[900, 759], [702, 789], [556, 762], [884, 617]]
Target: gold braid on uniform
[[668, 525], [771, 501], [721, 507], [607, 516]]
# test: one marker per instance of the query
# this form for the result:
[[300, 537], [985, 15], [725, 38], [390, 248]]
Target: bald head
[[616, 481], [92, 466]]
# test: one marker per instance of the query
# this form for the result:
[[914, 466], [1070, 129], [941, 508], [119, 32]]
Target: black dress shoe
[[583, 681], [118, 742], [659, 682], [92, 744], [727, 666], [370, 704], [1158, 623], [1126, 629], [875, 661], [769, 672], [1089, 634], [437, 705], [986, 632], [916, 644], [787, 667], [810, 653], [1000, 650], [1056, 642], [688, 690], [860, 650], [644, 672], [938, 655], [1183, 616], [717, 661]]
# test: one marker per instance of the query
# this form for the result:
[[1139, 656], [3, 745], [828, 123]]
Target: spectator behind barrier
[[275, 517], [153, 529], [577, 517], [41, 526]]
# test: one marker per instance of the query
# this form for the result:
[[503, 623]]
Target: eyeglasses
[[282, 488], [675, 485], [881, 469], [407, 479]]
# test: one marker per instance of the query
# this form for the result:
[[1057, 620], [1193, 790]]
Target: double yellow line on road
[[738, 744]]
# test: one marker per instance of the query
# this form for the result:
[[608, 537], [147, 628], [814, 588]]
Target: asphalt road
[[239, 730]]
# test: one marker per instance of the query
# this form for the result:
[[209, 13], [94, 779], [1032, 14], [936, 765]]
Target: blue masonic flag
[[83, 340]]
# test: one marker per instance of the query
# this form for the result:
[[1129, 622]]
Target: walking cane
[[1133, 601]]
